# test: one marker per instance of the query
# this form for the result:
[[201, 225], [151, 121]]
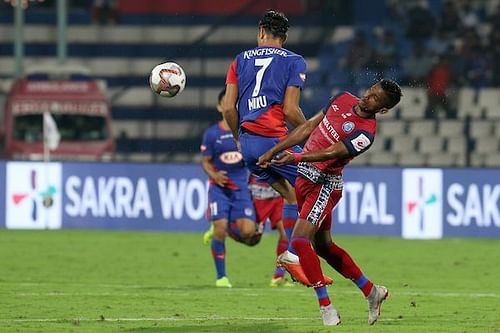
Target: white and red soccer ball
[[167, 79]]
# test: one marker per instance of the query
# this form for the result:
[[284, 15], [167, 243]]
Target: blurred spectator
[[495, 56], [439, 44], [417, 66], [386, 52], [478, 71], [438, 83], [421, 23], [450, 23], [495, 18], [105, 11], [360, 53], [469, 16]]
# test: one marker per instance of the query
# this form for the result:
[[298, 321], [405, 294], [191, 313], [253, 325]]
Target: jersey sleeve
[[207, 147], [358, 142], [232, 76], [330, 101], [297, 75]]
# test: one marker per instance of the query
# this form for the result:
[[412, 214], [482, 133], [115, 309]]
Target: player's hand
[[220, 178], [265, 160], [283, 158]]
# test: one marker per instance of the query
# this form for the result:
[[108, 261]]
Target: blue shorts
[[229, 204], [253, 146]]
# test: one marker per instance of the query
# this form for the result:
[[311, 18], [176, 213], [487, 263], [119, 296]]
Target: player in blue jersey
[[263, 87], [230, 207]]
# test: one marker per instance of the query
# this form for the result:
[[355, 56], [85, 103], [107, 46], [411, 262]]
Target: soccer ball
[[167, 79]]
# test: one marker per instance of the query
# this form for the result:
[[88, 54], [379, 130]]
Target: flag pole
[[46, 150]]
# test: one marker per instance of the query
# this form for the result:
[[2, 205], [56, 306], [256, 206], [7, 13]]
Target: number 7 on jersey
[[257, 102]]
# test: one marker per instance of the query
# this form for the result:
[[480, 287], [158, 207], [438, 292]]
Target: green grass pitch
[[103, 281]]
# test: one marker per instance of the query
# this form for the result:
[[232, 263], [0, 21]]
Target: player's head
[[272, 26], [220, 99], [381, 97]]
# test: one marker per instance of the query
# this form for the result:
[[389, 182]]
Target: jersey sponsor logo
[[264, 52], [329, 127], [302, 76], [335, 107], [360, 142], [231, 157], [348, 126]]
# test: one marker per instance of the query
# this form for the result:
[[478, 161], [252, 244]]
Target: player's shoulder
[[343, 97], [212, 129]]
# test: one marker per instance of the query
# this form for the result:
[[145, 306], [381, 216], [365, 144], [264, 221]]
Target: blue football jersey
[[263, 75], [219, 144]]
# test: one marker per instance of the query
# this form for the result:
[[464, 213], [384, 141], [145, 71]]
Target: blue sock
[[322, 295], [219, 255], [289, 217]]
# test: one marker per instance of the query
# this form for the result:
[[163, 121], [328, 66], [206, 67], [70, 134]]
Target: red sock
[[342, 262], [280, 248], [308, 260]]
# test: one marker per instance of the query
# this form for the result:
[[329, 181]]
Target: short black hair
[[392, 91], [275, 23], [221, 95]]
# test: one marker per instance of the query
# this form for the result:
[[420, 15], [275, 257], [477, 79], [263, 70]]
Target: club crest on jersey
[[231, 157], [302, 76], [248, 211], [348, 126]]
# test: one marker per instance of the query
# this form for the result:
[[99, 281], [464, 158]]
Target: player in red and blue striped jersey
[[263, 91], [230, 206]]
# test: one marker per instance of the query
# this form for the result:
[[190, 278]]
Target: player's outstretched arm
[[229, 110], [297, 136], [291, 108]]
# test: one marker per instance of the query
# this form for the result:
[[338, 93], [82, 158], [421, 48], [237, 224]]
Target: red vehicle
[[79, 108]]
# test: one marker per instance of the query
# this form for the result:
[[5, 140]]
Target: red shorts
[[316, 201], [269, 209]]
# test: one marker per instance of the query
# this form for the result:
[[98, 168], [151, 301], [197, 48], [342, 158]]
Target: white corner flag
[[51, 135]]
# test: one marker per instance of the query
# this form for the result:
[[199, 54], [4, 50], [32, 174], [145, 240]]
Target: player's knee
[[298, 241]]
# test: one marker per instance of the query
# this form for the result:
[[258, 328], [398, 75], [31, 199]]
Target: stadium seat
[[492, 160], [413, 103], [477, 159], [430, 144], [467, 103], [451, 128], [383, 158], [363, 159], [422, 128], [486, 145], [412, 159], [442, 160], [403, 144], [480, 128], [456, 145], [489, 101], [391, 127]]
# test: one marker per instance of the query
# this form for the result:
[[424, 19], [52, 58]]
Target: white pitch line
[[256, 293], [168, 319]]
